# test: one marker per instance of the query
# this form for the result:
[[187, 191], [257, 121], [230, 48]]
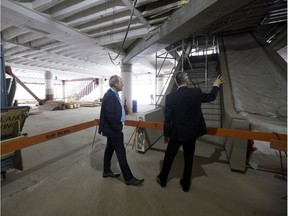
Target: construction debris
[[59, 105], [95, 103]]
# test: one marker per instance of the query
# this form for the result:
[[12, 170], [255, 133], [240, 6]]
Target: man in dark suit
[[112, 116], [183, 124]]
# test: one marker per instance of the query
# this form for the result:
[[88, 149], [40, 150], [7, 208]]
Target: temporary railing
[[26, 141], [277, 141]]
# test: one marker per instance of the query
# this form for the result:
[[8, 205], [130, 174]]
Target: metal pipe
[[9, 71], [4, 101]]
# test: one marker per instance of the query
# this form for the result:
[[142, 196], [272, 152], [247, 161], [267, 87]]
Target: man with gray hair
[[183, 124], [112, 117]]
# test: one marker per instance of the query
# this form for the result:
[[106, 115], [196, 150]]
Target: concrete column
[[63, 91], [49, 91], [101, 87], [126, 74]]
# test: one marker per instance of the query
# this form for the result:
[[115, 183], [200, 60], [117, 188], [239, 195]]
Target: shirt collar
[[114, 90], [181, 86]]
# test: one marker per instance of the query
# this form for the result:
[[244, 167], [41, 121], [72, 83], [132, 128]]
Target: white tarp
[[258, 88]]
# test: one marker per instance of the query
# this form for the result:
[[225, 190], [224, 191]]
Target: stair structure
[[87, 89], [79, 88], [203, 77], [189, 56]]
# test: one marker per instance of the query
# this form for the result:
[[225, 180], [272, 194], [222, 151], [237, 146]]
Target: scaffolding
[[178, 58]]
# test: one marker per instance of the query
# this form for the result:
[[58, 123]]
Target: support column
[[101, 88], [63, 91], [49, 91], [126, 74]]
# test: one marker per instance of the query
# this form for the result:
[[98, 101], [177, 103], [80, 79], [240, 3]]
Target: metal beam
[[9, 71], [189, 19]]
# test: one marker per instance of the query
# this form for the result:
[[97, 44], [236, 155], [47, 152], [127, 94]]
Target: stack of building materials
[[95, 103], [59, 105]]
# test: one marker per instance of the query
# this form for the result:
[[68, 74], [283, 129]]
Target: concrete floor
[[63, 177]]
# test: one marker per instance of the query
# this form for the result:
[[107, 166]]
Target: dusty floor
[[63, 177]]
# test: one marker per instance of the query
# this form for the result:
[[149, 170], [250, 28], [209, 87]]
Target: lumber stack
[[95, 103], [59, 105]]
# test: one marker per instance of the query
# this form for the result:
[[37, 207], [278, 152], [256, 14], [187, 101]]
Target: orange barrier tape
[[23, 142], [278, 145], [141, 124], [242, 134]]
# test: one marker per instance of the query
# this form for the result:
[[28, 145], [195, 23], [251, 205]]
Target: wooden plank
[[13, 145]]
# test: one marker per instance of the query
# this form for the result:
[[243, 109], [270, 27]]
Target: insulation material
[[258, 88]]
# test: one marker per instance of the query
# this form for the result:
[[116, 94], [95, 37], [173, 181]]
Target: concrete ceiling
[[90, 38]]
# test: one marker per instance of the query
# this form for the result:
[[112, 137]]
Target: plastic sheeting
[[258, 88]]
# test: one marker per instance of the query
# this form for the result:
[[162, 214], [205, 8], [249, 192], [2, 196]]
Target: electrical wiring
[[122, 46]]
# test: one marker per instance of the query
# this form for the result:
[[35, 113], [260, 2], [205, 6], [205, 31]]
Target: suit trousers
[[116, 143], [170, 153]]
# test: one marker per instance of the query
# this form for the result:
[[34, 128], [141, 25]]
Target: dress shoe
[[184, 187], [162, 184], [111, 174], [134, 181]]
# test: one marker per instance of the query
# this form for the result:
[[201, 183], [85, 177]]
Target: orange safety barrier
[[23, 142], [243, 134], [278, 145], [142, 124]]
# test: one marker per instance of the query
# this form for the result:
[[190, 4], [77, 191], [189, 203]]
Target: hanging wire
[[122, 46]]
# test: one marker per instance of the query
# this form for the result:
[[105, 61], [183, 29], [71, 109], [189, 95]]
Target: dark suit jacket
[[110, 115], [183, 115]]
